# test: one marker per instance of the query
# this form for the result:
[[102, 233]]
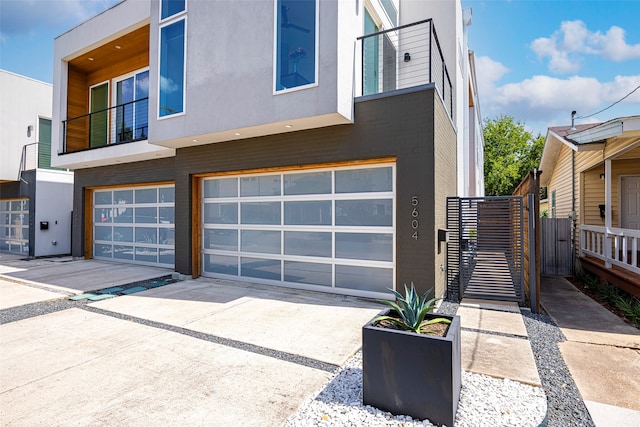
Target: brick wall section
[[445, 185]]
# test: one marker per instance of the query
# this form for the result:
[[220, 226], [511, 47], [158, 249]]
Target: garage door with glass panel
[[322, 229], [14, 226], [135, 225]]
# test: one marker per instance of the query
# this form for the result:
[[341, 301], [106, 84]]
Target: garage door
[[14, 226], [135, 225], [322, 229]]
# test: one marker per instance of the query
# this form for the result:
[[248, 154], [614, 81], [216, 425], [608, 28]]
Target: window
[[131, 115], [171, 7], [295, 43], [44, 143], [172, 58]]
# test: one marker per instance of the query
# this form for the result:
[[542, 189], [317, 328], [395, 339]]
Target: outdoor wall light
[[602, 176], [407, 57], [602, 210], [29, 130]]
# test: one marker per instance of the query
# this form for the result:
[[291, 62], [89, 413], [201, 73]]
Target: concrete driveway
[[196, 352]]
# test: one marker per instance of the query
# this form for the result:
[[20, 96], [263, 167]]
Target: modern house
[[592, 175], [307, 144], [35, 199]]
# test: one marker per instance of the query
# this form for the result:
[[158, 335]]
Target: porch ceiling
[[115, 51]]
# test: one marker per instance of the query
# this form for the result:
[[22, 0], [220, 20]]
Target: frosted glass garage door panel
[[375, 212], [266, 185], [166, 195], [103, 233], [146, 255], [148, 195], [221, 213], [307, 272], [124, 197], [364, 278], [123, 252], [167, 215], [264, 213], [103, 197], [220, 239], [260, 241], [221, 264], [104, 251], [260, 268], [167, 236], [122, 234], [147, 235], [307, 243], [219, 188], [307, 213], [307, 183], [166, 256], [364, 180], [376, 247], [147, 215], [123, 215]]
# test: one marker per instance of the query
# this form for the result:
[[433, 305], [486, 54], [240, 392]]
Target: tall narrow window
[[172, 43], [171, 7], [132, 107], [296, 43], [44, 143]]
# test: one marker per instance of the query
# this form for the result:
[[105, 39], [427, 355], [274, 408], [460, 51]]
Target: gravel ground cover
[[566, 407]]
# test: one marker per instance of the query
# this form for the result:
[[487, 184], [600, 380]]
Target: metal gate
[[485, 252], [556, 254]]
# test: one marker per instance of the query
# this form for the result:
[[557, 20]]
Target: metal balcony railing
[[115, 125], [405, 56]]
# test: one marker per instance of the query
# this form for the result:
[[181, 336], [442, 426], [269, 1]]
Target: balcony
[[116, 125], [403, 57]]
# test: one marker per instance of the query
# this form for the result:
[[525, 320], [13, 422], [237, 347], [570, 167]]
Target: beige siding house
[[592, 175]]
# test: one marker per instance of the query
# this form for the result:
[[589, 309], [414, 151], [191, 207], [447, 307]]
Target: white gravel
[[484, 401]]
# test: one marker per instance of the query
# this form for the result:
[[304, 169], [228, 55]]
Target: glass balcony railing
[[116, 125], [403, 57]]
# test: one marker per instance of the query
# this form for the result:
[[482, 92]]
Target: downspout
[[574, 216]]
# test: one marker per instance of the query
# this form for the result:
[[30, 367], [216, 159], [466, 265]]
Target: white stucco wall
[[230, 73], [22, 101], [54, 201]]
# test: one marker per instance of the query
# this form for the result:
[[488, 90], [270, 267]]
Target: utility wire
[[605, 109]]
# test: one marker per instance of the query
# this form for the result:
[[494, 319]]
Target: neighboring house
[[269, 141], [592, 174], [35, 200]]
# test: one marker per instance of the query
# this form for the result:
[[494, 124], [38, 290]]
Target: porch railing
[[29, 158], [402, 57], [615, 246], [122, 123]]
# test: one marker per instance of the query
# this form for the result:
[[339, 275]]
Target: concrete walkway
[[602, 353], [196, 352], [495, 341]]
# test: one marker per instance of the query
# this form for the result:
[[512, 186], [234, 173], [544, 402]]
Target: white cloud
[[544, 98], [567, 46], [488, 73], [24, 17]]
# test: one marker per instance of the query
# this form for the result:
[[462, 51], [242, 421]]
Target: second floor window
[[172, 58], [169, 8], [296, 43]]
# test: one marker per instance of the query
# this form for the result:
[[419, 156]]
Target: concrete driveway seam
[[38, 285], [239, 345], [501, 334]]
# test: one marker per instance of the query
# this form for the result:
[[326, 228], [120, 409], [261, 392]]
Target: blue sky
[[536, 60]]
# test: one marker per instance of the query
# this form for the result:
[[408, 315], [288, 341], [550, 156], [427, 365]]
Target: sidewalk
[[602, 353]]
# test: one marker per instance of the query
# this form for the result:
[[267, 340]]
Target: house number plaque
[[414, 217]]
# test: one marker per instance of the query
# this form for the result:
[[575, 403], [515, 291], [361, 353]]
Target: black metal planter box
[[412, 374]]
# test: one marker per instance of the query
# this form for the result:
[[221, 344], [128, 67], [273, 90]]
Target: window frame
[[165, 23], [113, 95], [162, 20], [275, 52]]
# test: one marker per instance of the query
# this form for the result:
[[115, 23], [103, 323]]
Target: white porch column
[[607, 216]]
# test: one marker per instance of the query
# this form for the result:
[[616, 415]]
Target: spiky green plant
[[411, 310]]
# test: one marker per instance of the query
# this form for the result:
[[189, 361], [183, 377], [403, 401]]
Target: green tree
[[510, 152]]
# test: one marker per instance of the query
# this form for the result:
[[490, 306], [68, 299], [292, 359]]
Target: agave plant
[[411, 310]]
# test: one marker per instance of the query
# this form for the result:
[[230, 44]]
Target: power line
[[605, 109]]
